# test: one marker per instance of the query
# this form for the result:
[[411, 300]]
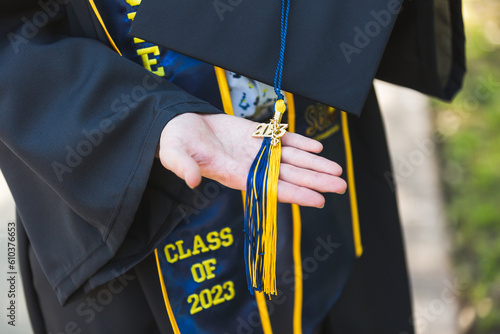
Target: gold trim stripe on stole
[[297, 234], [358, 247], [224, 90], [171, 316], [96, 11], [291, 111], [297, 260]]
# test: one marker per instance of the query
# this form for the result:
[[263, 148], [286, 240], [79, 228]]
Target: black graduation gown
[[93, 207]]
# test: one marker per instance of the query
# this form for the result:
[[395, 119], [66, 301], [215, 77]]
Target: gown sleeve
[[426, 50], [78, 134]]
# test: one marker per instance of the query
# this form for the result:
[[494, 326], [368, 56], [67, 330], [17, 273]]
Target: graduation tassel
[[261, 206], [262, 189]]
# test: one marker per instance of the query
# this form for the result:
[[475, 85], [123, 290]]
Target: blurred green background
[[470, 161]]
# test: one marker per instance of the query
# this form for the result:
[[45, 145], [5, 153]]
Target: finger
[[182, 164], [301, 142], [315, 181], [299, 158], [290, 193]]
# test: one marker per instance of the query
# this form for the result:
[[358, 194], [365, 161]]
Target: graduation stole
[[262, 189]]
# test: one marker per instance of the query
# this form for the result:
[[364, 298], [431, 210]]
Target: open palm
[[221, 147]]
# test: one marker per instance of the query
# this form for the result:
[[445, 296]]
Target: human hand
[[221, 147]]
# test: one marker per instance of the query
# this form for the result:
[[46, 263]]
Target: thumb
[[182, 164]]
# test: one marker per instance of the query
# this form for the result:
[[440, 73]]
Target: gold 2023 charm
[[266, 130]]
